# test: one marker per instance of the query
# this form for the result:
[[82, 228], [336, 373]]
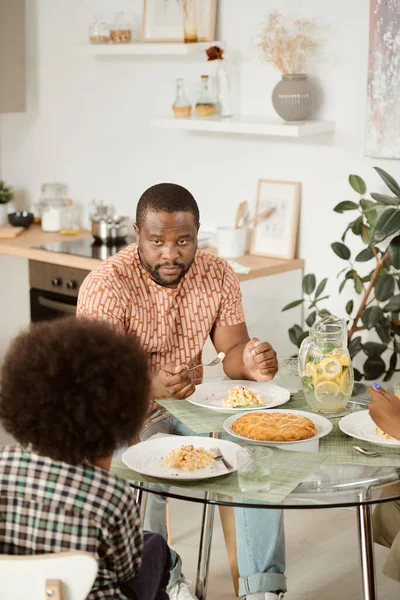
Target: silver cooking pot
[[110, 229]]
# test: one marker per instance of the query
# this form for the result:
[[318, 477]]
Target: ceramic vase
[[293, 98]]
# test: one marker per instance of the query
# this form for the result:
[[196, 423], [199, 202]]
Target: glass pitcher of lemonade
[[325, 366]]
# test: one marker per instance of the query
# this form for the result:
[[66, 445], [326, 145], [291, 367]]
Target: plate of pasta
[[180, 457], [227, 395], [360, 426]]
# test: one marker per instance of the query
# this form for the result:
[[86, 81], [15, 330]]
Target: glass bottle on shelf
[[69, 224], [52, 200], [181, 106], [120, 32], [205, 106], [189, 21], [99, 31]]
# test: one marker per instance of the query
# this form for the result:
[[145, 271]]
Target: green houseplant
[[6, 195], [374, 273]]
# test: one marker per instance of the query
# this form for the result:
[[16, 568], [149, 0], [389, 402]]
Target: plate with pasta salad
[[228, 395], [181, 457], [359, 425]]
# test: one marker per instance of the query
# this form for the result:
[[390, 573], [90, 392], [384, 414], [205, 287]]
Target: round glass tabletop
[[327, 486]]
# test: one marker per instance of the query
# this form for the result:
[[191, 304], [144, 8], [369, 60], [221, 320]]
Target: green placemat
[[288, 470], [337, 447]]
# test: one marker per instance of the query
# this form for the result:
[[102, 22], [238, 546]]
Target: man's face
[[167, 245]]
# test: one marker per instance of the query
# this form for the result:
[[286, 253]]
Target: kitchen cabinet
[[12, 56]]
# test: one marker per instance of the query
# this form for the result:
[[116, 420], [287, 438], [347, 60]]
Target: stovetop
[[87, 247]]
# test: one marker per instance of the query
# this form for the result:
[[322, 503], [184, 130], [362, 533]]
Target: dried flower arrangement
[[287, 50], [215, 53]]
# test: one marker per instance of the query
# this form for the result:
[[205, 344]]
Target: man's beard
[[154, 272]]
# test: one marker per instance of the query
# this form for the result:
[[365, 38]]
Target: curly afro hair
[[75, 389]]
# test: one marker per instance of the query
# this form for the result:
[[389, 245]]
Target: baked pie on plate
[[278, 426]]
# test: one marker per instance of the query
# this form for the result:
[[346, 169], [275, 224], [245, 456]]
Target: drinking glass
[[288, 373], [254, 468]]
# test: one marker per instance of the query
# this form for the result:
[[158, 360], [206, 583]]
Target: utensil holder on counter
[[231, 242]]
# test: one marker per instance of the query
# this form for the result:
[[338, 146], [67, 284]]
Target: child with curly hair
[[72, 392]]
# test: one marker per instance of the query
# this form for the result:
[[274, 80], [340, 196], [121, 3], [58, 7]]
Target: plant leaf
[[389, 180], [358, 285], [392, 367], [357, 226], [358, 184], [366, 234], [341, 250], [309, 283], [321, 287], [349, 307], [357, 375], [384, 287], [371, 316], [388, 223], [345, 205], [374, 367], [323, 313], [383, 330], [393, 305], [355, 346], [364, 255], [341, 286], [294, 334], [311, 318], [394, 252], [292, 305], [383, 199], [374, 349]]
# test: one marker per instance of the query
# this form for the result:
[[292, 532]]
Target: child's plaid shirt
[[49, 506]]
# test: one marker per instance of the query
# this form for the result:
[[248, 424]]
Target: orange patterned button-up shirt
[[171, 324]]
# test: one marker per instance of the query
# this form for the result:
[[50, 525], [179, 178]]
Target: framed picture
[[276, 218], [163, 20]]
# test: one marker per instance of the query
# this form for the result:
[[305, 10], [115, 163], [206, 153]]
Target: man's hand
[[384, 409], [259, 359], [173, 381]]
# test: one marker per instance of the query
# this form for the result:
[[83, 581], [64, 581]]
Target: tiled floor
[[322, 555]]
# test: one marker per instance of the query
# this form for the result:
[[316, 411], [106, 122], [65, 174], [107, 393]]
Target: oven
[[54, 290]]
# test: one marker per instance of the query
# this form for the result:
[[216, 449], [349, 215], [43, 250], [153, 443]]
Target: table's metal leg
[[367, 551], [141, 500], [205, 548]]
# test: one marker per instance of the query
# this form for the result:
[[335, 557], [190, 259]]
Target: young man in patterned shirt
[[172, 297], [72, 392]]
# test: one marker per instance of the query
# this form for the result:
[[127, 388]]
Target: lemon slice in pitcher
[[311, 370], [329, 368], [345, 383], [324, 388]]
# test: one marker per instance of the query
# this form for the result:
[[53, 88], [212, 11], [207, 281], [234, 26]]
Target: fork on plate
[[220, 456]]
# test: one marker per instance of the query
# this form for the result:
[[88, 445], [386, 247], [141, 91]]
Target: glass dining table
[[327, 486]]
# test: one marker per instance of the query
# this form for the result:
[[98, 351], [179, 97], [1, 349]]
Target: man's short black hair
[[75, 389], [166, 197]]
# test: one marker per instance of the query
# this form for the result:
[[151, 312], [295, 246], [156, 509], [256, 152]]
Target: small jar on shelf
[[120, 32], [205, 106], [99, 31], [69, 221], [181, 106]]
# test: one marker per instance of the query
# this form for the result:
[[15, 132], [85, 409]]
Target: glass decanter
[[181, 106], [99, 31], [205, 106], [325, 366]]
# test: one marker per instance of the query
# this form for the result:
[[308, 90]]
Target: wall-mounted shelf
[[150, 49], [246, 125]]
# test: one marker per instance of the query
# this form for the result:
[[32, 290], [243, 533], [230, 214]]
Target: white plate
[[148, 457], [360, 426], [321, 423], [210, 394]]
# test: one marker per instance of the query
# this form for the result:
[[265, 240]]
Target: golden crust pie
[[274, 427]]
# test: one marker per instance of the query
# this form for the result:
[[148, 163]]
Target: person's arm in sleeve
[[245, 358], [98, 300]]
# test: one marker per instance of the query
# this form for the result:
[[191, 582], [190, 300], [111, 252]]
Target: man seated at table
[[72, 392], [384, 409], [171, 297]]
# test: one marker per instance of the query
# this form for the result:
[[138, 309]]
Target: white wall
[[87, 122]]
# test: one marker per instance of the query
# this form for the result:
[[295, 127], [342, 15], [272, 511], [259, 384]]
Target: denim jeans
[[260, 536]]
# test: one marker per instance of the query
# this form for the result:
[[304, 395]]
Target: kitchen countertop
[[22, 246]]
